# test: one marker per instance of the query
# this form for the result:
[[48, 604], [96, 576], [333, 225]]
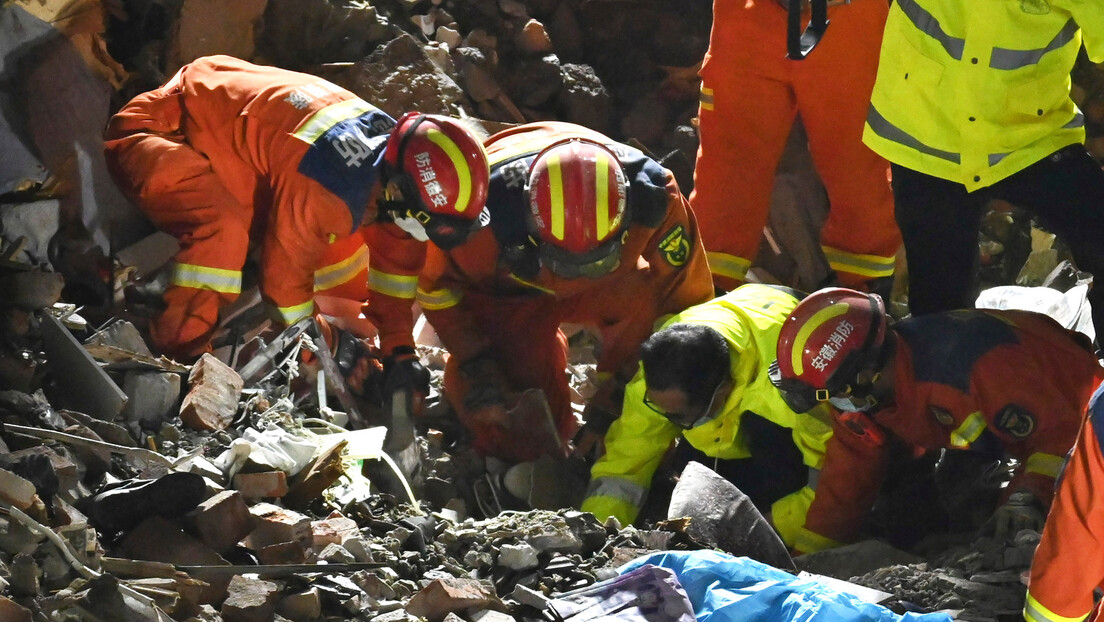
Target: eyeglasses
[[687, 422]]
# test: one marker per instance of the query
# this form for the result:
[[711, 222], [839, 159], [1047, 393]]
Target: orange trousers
[[750, 96], [527, 343], [177, 189]]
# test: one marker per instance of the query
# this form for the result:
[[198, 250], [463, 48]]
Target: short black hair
[[690, 357]]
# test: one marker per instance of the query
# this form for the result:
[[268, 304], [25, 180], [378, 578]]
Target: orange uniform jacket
[[227, 151], [467, 291], [1069, 562], [984, 380]]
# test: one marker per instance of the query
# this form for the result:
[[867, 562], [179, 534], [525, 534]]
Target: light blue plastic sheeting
[[724, 588]]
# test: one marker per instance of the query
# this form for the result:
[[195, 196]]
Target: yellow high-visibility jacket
[[976, 91], [750, 318]]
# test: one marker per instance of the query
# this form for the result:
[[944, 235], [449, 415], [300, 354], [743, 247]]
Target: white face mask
[[413, 227]]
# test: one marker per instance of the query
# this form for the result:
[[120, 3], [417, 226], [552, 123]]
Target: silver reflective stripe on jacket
[[882, 127], [617, 488], [926, 23], [1004, 58]]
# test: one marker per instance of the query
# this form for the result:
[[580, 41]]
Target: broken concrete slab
[[88, 388]]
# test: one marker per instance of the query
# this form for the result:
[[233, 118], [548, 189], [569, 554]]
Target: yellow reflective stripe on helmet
[[601, 196], [202, 277], [705, 98], [459, 164], [873, 266], [815, 322], [438, 299], [394, 285], [295, 313], [1034, 611], [555, 191], [730, 266], [331, 115], [968, 431], [328, 277], [1049, 465]]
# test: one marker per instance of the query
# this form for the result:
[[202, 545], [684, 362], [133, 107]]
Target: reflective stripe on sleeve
[[438, 299], [295, 313], [617, 488], [809, 542], [705, 98], [202, 277], [968, 431], [729, 266], [1034, 611], [871, 266], [330, 116], [395, 285], [329, 277], [1049, 465]]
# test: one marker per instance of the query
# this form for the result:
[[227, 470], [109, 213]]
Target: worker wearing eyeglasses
[[703, 376]]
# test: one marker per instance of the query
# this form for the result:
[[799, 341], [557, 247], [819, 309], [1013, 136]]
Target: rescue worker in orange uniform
[[228, 154], [583, 230], [981, 380], [750, 94], [1069, 563]]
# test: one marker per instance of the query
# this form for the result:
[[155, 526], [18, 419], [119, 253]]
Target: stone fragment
[[490, 615], [221, 521], [533, 39], [160, 540], [301, 607], [250, 600], [518, 556], [213, 398]]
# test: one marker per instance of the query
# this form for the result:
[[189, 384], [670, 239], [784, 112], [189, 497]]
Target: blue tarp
[[724, 588]]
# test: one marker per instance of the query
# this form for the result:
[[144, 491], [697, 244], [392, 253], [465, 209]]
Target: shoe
[[121, 508]]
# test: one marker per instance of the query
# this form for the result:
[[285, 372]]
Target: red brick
[[213, 398], [264, 485], [221, 521], [273, 524], [10, 611]]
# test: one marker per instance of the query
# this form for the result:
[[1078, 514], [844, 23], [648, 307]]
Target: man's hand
[[403, 370], [590, 440], [1022, 510]]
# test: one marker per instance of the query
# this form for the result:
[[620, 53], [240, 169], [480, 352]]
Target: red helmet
[[442, 172], [577, 203], [829, 338]]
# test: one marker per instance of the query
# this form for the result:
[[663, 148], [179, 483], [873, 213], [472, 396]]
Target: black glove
[[403, 370], [486, 382]]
